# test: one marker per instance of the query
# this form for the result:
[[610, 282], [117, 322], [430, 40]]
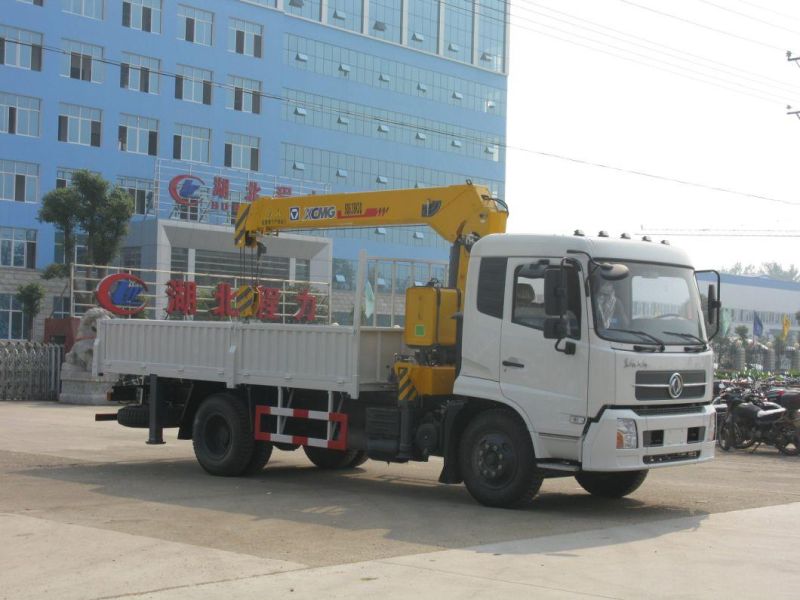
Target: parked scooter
[[751, 419], [788, 438]]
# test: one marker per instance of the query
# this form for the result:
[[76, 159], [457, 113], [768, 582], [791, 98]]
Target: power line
[[481, 140], [746, 16], [515, 23], [780, 84], [761, 95], [775, 12], [701, 25]]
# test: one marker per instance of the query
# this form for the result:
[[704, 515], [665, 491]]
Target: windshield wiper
[[644, 334], [689, 336]]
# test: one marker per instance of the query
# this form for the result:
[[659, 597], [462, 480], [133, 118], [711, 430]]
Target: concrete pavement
[[87, 510]]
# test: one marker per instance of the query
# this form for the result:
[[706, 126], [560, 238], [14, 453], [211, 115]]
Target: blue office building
[[196, 106]]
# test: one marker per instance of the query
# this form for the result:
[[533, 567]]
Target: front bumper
[[665, 438]]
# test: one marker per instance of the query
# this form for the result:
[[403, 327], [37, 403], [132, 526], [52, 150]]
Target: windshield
[[655, 304]]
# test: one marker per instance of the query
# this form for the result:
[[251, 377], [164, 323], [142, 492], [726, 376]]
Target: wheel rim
[[494, 460], [217, 435]]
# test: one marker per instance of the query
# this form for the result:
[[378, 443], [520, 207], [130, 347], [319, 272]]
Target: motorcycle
[[788, 437], [749, 419]]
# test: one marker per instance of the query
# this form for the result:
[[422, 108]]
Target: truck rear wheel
[[497, 460], [324, 458], [222, 439], [611, 485]]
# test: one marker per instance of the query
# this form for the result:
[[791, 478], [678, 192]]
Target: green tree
[[777, 271], [60, 207], [742, 332], [91, 205], [30, 297]]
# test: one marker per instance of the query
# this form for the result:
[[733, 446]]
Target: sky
[[678, 115]]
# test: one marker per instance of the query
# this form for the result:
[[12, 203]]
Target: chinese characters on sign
[[182, 301]]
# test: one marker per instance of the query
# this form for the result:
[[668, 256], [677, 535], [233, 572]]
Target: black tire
[[724, 438], [325, 458], [788, 441], [497, 460], [611, 485], [138, 416], [222, 439], [262, 451], [359, 459]]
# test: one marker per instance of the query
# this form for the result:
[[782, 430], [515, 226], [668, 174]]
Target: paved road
[[87, 510]]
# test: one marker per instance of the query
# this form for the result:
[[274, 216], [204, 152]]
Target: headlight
[[627, 436]]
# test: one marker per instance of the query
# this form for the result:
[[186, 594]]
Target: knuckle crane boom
[[461, 214]]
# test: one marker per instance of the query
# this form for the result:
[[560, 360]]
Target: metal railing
[[30, 370]]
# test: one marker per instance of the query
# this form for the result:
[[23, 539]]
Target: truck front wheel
[[611, 485], [222, 439], [497, 460]]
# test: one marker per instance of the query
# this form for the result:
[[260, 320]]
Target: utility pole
[[796, 61]]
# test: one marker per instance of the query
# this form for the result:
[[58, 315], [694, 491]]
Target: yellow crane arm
[[459, 213]]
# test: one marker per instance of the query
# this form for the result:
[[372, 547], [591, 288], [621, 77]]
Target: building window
[[492, 34], [138, 135], [19, 181], [423, 24], [308, 9], [139, 73], [245, 37], [33, 2], [384, 19], [92, 9], [346, 14], [19, 115], [79, 125], [458, 30], [60, 307], [142, 14], [195, 25], [141, 190], [193, 84], [191, 143], [243, 94], [82, 61], [79, 254], [17, 248], [64, 176], [20, 48], [12, 323], [241, 151]]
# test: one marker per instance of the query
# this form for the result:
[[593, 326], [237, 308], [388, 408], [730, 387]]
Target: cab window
[[528, 298]]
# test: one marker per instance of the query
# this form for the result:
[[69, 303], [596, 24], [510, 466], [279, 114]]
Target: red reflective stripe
[[301, 413], [299, 439]]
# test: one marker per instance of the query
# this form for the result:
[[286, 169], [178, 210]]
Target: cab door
[[550, 386]]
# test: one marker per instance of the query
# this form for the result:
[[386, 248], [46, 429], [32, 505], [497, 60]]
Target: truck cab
[[626, 385]]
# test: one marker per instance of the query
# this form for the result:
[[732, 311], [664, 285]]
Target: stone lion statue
[[80, 357]]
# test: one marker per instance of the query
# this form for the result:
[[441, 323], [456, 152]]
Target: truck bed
[[321, 357]]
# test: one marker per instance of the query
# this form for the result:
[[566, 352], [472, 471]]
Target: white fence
[[30, 370]]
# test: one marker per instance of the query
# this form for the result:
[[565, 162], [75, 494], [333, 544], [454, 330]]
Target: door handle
[[511, 363]]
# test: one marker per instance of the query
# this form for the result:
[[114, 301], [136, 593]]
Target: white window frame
[[136, 8], [84, 53], [193, 138], [77, 117], [21, 44], [194, 79], [137, 134], [203, 22], [11, 172], [252, 34], [23, 106], [137, 62], [241, 151], [84, 8]]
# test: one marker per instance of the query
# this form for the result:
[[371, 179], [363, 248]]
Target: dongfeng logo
[[185, 189], [675, 385]]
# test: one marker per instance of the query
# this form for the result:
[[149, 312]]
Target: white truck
[[550, 356]]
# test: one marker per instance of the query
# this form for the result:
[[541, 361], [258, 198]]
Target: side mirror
[[555, 328], [713, 304], [555, 292]]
